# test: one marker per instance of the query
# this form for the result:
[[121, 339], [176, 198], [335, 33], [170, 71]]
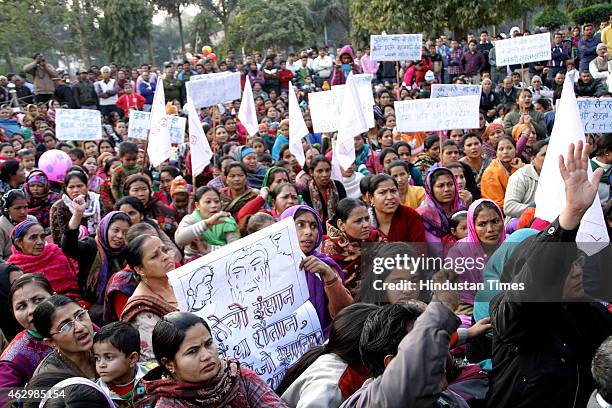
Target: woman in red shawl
[[32, 254], [346, 231]]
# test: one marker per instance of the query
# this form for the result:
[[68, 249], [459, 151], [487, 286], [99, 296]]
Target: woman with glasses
[[67, 328], [32, 254]]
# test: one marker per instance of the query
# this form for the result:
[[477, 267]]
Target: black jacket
[[594, 88], [64, 95], [542, 351]]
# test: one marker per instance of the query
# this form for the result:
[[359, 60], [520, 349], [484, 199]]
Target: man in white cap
[[107, 90]]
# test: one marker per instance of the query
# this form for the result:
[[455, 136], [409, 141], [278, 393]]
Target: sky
[[190, 10]]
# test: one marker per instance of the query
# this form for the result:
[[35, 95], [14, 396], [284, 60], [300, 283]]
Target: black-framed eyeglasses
[[80, 316]]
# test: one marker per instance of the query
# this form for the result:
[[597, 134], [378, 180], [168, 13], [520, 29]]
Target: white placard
[[211, 89], [425, 115], [254, 296], [138, 125], [446, 90], [78, 124], [521, 50], [325, 109], [596, 114], [176, 126], [396, 47]]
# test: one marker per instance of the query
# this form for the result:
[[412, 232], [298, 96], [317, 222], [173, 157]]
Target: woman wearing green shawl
[[207, 227]]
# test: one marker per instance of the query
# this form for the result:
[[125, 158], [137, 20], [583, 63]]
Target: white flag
[[336, 171], [297, 127], [159, 145], [247, 113], [199, 147], [350, 124], [550, 195]]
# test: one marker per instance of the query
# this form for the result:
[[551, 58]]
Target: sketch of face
[[248, 271], [200, 288]]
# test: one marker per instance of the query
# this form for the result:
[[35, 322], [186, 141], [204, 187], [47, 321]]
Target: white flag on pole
[[550, 195], [198, 144], [159, 146], [247, 113], [297, 127], [350, 124]]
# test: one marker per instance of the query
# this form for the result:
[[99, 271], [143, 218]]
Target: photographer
[[43, 75]]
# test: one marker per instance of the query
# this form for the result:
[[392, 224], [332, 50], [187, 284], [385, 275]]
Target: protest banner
[[138, 125], [396, 47], [446, 90], [254, 296], [176, 125], [550, 196], [78, 124], [211, 89], [425, 115], [596, 114], [521, 50], [325, 109]]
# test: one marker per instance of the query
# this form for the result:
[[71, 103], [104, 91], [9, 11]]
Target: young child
[[458, 224], [28, 160], [179, 191], [77, 155], [116, 350], [128, 154]]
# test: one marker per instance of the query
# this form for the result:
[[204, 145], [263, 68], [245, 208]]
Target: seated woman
[[207, 224], [386, 157], [281, 197], [346, 231], [441, 201], [495, 178], [100, 257], [12, 175], [274, 176], [237, 193], [323, 193], [191, 373], [327, 375], [474, 156], [525, 114], [303, 177], [136, 211], [255, 171], [27, 349], [522, 185], [14, 207], [166, 175], [67, 328], [139, 186], [485, 222], [75, 184], [491, 136], [395, 221], [525, 137], [327, 293], [33, 255], [410, 196], [40, 197], [429, 156], [404, 151], [153, 297]]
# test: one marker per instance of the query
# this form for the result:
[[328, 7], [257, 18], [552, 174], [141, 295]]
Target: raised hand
[[579, 190], [216, 218], [79, 204]]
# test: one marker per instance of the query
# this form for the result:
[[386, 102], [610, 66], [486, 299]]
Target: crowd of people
[[86, 249]]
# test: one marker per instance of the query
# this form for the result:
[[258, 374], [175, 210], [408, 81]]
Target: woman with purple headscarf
[[100, 257], [485, 222], [327, 294]]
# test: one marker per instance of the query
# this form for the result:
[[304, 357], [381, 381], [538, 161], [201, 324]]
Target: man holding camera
[[43, 75]]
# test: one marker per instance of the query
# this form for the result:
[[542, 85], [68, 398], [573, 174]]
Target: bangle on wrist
[[332, 281]]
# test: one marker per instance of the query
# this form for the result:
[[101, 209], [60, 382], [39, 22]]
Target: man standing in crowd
[[473, 62], [84, 92], [559, 55], [107, 91], [322, 67], [484, 47], [587, 47], [147, 90], [43, 74]]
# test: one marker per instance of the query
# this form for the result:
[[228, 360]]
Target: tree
[[200, 29], [270, 24], [551, 18], [324, 12], [395, 16], [173, 7], [123, 25], [223, 10], [592, 14]]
